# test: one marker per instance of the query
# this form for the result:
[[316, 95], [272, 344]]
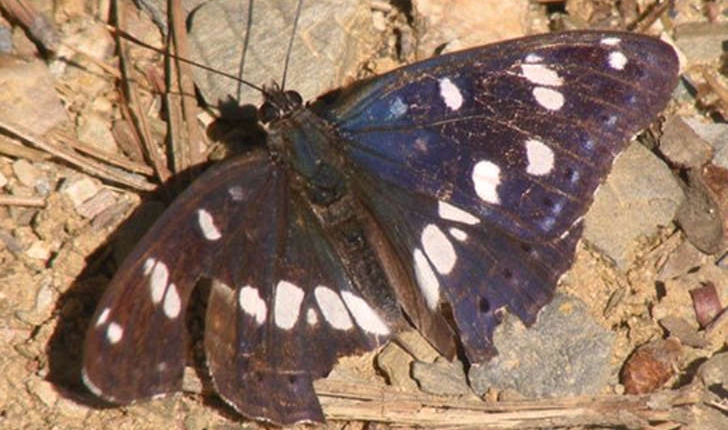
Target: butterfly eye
[[268, 113], [293, 98]]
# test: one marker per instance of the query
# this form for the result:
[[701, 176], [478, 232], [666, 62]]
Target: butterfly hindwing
[[477, 270], [279, 288], [293, 314], [142, 313]]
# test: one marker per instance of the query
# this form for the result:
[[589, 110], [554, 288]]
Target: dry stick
[[100, 64], [8, 200], [112, 158], [173, 102], [364, 401], [139, 118], [641, 25], [87, 165], [714, 83], [16, 150], [193, 147]]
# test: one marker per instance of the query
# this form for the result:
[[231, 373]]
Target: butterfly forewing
[[519, 133], [292, 315], [483, 162], [135, 347]]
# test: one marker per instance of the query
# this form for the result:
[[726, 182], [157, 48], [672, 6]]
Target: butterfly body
[[439, 194]]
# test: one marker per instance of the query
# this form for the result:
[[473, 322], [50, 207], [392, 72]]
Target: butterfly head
[[278, 103]]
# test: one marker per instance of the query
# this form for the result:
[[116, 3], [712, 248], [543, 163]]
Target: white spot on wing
[[450, 94], [541, 75], [207, 225], [397, 108], [617, 60], [287, 305], [458, 234], [486, 177], [158, 281], [114, 333], [91, 385], [540, 158], [148, 266], [103, 317], [236, 193], [332, 308], [533, 58], [452, 213], [172, 303], [426, 279], [438, 248], [366, 318], [311, 317], [610, 41], [252, 304], [548, 98]]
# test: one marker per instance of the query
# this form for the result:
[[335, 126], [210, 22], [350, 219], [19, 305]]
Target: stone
[[463, 25], [27, 173], [565, 353], [639, 195], [701, 216], [28, 97], [443, 378], [332, 39], [701, 42], [683, 146], [714, 133], [395, 363], [80, 189]]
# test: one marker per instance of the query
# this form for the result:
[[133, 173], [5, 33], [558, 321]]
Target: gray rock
[[395, 363], [681, 260], [714, 372], [564, 354], [29, 98], [332, 38], [441, 377], [701, 41], [700, 215], [682, 145], [639, 195], [716, 134]]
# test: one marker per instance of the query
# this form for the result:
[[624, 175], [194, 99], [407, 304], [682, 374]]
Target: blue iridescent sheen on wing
[[398, 126]]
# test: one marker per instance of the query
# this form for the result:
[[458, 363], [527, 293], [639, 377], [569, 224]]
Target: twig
[[139, 118], [192, 148], [111, 158], [8, 200], [641, 25], [347, 400], [87, 165], [16, 150]]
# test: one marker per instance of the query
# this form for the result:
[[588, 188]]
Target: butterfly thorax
[[303, 141]]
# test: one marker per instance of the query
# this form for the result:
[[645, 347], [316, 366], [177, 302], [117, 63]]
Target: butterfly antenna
[[290, 43], [123, 34], [246, 42]]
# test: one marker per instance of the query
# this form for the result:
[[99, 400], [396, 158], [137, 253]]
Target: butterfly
[[437, 196]]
